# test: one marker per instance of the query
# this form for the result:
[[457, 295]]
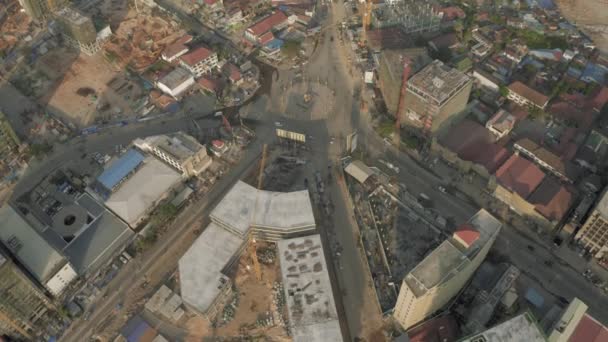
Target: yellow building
[[444, 272]]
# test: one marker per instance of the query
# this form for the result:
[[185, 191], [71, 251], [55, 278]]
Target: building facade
[[433, 95], [22, 304], [199, 61], [79, 30], [180, 151], [593, 235], [41, 9], [526, 96], [444, 272], [9, 141]]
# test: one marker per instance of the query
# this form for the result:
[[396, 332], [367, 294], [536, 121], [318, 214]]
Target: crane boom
[[252, 244]]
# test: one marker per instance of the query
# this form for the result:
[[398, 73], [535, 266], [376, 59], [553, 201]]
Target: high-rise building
[[79, 30], [434, 94], [41, 9], [22, 304], [444, 272], [593, 235]]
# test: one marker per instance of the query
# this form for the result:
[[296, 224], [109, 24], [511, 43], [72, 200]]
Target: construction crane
[[365, 21], [407, 69], [252, 243]]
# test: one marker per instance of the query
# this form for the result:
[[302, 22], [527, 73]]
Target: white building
[[526, 96], [444, 272], [179, 150], [176, 82], [199, 61]]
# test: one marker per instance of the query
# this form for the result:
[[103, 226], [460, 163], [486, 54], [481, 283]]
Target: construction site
[[14, 26], [397, 231], [138, 38]]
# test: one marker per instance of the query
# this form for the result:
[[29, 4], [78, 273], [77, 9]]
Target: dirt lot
[[85, 88], [254, 305], [591, 16]]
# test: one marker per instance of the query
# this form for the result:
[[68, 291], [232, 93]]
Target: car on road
[[442, 189], [278, 124]]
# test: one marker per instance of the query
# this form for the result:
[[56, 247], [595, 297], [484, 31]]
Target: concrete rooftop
[[517, 329], [245, 206], [200, 269], [438, 81], [451, 256], [312, 311]]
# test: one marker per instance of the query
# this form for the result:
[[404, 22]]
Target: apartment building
[[433, 95], [593, 235], [179, 150], [443, 273], [526, 96], [199, 61], [78, 29], [9, 141], [22, 305], [41, 9]]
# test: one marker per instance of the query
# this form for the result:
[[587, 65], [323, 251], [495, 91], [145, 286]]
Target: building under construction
[[409, 15], [433, 95], [22, 305], [79, 30]]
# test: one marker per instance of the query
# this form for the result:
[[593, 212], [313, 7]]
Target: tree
[[536, 113], [504, 91]]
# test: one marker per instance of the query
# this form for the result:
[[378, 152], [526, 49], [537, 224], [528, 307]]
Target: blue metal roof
[[120, 169], [275, 44], [534, 298]]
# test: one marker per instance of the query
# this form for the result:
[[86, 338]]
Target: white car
[[442, 189], [278, 124]]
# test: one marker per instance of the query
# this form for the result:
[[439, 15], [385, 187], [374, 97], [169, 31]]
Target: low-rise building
[[307, 290], [576, 325], [522, 327], [275, 21], [547, 160], [501, 124], [177, 49], [443, 273], [134, 184], [176, 82], [179, 150], [199, 61], [526, 96]]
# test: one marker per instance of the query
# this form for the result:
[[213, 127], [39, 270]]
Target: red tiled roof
[[210, 2], [196, 56], [452, 12], [552, 200], [266, 38], [440, 329], [467, 234], [519, 175], [177, 46], [528, 93], [473, 142], [233, 72], [208, 84], [589, 330], [267, 23]]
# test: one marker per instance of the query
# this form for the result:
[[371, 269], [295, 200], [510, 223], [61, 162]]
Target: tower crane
[[407, 69], [252, 243]]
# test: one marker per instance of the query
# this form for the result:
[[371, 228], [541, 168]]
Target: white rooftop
[[200, 269], [308, 293], [517, 329], [602, 205], [279, 210], [141, 191], [359, 171], [450, 256]]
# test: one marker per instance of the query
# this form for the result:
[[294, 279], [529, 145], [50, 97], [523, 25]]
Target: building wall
[[177, 90], [21, 301], [522, 207], [593, 235], [417, 109], [462, 165], [411, 310], [204, 66], [9, 142]]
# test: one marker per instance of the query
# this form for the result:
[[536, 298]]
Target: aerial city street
[[303, 170]]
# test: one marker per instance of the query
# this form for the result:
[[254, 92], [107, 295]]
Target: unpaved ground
[[85, 72], [591, 16]]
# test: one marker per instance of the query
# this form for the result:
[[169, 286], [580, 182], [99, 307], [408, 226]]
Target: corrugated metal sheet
[[120, 169]]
